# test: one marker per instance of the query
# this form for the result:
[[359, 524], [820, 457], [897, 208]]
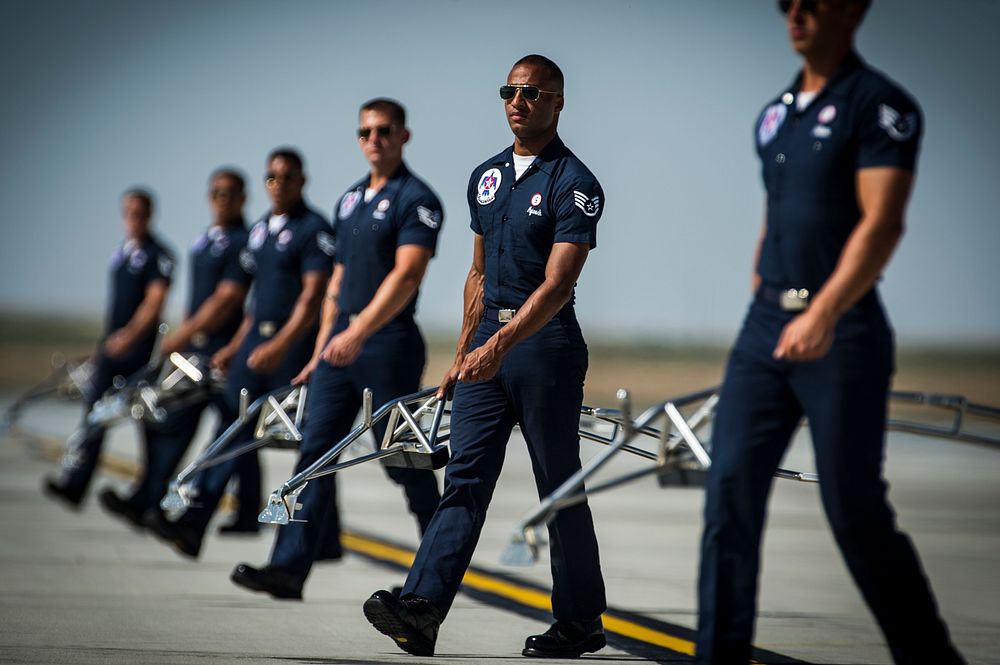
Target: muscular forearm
[[393, 294], [211, 315], [473, 311], [145, 319], [546, 301], [863, 259], [303, 316], [241, 332]]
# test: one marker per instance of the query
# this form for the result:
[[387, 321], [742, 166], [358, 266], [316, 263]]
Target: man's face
[[528, 119], [135, 215], [817, 26], [381, 140], [284, 182], [225, 199]]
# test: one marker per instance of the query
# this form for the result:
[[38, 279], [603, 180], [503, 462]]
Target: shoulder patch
[[898, 126], [589, 205], [428, 217], [325, 243], [166, 265], [247, 261]]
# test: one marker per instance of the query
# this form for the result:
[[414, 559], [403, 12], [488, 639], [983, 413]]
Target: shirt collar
[[552, 151], [850, 64]]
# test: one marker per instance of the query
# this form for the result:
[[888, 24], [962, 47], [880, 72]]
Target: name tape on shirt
[[899, 127], [589, 205], [489, 183], [428, 217]]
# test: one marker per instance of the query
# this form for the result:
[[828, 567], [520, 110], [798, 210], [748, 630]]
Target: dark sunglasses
[[381, 131], [528, 92], [805, 6], [272, 179], [220, 194]]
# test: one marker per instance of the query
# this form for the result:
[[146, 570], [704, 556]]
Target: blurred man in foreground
[[838, 149]]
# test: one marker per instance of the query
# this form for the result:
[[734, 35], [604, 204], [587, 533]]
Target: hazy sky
[[661, 97]]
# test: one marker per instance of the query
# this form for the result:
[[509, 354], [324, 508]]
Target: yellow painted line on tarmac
[[522, 595]]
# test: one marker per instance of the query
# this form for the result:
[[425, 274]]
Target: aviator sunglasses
[[805, 6], [528, 92], [381, 131]]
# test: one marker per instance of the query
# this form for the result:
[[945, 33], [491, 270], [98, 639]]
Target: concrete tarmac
[[80, 587]]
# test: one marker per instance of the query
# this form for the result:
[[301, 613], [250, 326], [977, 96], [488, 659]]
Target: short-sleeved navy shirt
[[279, 260], [557, 199], [134, 266], [404, 212], [810, 160], [215, 258]]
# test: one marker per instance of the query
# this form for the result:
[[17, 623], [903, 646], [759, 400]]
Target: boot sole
[[595, 643], [388, 623]]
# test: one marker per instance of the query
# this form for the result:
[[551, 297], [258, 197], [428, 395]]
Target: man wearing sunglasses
[[521, 359], [839, 149], [386, 226], [289, 252], [141, 270], [219, 285]]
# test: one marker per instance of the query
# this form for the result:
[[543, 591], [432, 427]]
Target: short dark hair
[[390, 107], [233, 174], [141, 193], [553, 75], [288, 154]]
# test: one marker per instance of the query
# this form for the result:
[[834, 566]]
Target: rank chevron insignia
[[589, 206], [900, 127]]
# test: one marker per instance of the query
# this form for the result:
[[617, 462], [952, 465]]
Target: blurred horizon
[[661, 100]]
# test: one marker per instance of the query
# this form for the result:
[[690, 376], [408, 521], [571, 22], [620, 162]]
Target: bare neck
[[380, 174], [533, 145], [819, 68]]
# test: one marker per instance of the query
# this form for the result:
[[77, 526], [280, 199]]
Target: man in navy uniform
[[521, 359], [838, 150], [289, 250], [140, 278], [386, 228], [219, 286]]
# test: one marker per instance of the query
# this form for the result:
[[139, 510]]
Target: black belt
[[788, 299], [505, 315], [500, 315]]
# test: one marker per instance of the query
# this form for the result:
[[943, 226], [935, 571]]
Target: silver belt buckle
[[267, 328], [506, 315], [794, 300], [351, 318]]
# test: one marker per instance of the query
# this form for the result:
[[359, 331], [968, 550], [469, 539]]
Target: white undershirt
[[804, 99], [521, 164], [275, 223], [370, 194]]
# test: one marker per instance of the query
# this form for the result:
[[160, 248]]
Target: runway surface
[[80, 587]]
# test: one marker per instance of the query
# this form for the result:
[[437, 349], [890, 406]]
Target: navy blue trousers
[[212, 481], [844, 396], [92, 438], [539, 386], [165, 446], [391, 365]]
